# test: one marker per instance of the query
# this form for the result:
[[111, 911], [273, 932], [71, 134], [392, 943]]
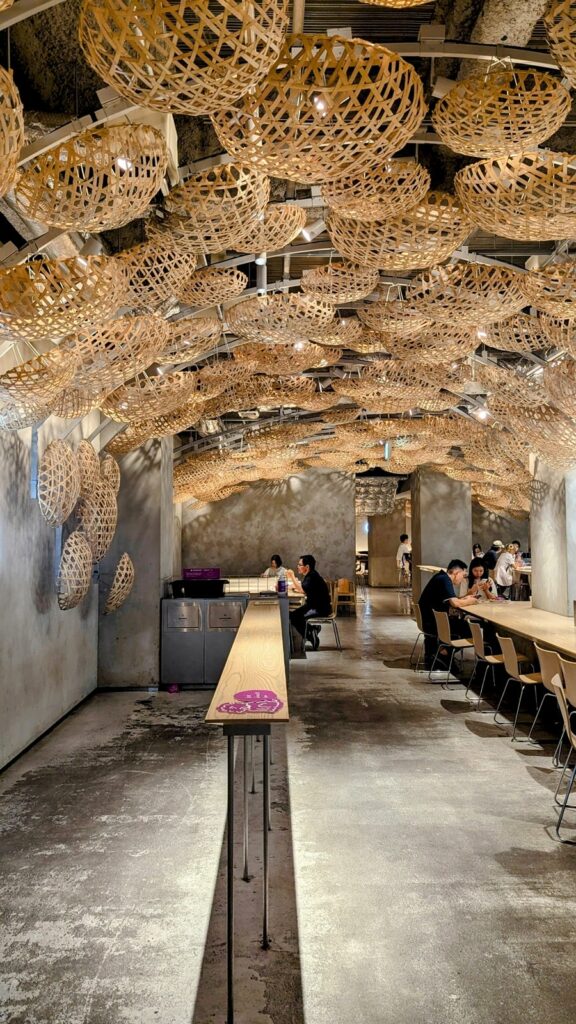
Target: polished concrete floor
[[415, 874]]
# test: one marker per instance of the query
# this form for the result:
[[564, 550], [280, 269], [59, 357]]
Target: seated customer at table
[[275, 569], [479, 583], [317, 598], [439, 595]]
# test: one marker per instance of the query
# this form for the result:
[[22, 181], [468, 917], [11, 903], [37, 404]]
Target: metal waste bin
[[222, 621], [182, 645]]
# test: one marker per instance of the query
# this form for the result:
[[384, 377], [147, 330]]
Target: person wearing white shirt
[[404, 548], [503, 572]]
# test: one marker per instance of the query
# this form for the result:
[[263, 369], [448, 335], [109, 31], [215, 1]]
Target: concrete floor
[[411, 837]]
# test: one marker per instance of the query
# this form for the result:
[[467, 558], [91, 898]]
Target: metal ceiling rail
[[25, 9], [475, 51]]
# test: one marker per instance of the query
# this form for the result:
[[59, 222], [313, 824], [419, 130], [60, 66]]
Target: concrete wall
[[308, 513], [553, 531], [488, 526], [383, 540], [441, 522], [47, 656], [129, 640]]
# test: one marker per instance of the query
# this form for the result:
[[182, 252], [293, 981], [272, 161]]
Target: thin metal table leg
[[270, 762], [253, 787], [246, 874], [266, 823], [230, 885]]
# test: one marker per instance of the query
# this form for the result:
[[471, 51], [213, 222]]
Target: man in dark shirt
[[317, 598], [491, 556], [439, 595]]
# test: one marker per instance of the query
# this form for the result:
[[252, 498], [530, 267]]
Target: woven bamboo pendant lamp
[[155, 272], [339, 282], [464, 294], [11, 130], [433, 345], [425, 235], [98, 180], [97, 516], [560, 387], [393, 316], [369, 342], [40, 379], [519, 333], [16, 414], [89, 466], [110, 471], [75, 572], [121, 585], [343, 333], [144, 396], [211, 287], [215, 208], [339, 415], [58, 482], [116, 350], [183, 417], [510, 383], [45, 299], [285, 359], [75, 403], [560, 331], [560, 24], [530, 196], [553, 289], [190, 339], [129, 440], [280, 317], [378, 193], [329, 107], [275, 228], [187, 58], [499, 112]]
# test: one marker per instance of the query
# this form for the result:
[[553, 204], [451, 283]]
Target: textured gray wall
[[488, 527], [441, 521], [553, 531], [47, 657], [308, 513], [383, 540], [129, 640]]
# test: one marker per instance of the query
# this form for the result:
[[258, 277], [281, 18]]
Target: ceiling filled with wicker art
[[292, 235]]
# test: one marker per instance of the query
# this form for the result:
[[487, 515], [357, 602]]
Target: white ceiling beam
[[25, 9]]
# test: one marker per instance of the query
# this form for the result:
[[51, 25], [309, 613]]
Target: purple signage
[[259, 701], [201, 574]]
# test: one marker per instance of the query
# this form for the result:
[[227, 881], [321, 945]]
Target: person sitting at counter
[[439, 595], [479, 583], [275, 570], [317, 601]]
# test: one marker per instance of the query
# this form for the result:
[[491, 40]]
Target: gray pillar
[[441, 522], [129, 639], [383, 540], [553, 535]]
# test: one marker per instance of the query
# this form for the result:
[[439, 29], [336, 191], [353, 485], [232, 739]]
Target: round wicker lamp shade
[[393, 316], [339, 282], [425, 235], [155, 272], [75, 403], [434, 345], [11, 130], [58, 482], [45, 299], [286, 359], [276, 227], [519, 333], [560, 332], [89, 466], [100, 179], [75, 572], [330, 106], [560, 24], [41, 379], [211, 287], [22, 412], [466, 294], [215, 208], [121, 585], [510, 384], [187, 58], [144, 397], [191, 338], [343, 333], [110, 471], [560, 387], [530, 196], [280, 317], [377, 193], [116, 350], [553, 289], [499, 112], [97, 516]]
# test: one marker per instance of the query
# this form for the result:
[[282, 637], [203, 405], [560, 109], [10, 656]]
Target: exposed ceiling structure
[[408, 363]]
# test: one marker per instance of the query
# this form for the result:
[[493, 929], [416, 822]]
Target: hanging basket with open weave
[[187, 58], [98, 180], [89, 467], [280, 317], [41, 379], [58, 482], [560, 387], [116, 350], [560, 24], [75, 403], [339, 282], [466, 294], [553, 288], [45, 299], [510, 383], [274, 229], [344, 332], [144, 396], [212, 210], [155, 272], [97, 515], [501, 111], [190, 338], [16, 414], [560, 332], [285, 359], [212, 286], [11, 130], [425, 235], [75, 571], [436, 344], [529, 196], [393, 316], [550, 433], [121, 585], [330, 106], [110, 471], [519, 333], [378, 193]]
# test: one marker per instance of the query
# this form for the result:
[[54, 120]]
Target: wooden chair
[[567, 675], [445, 640], [566, 712], [322, 620], [550, 666], [417, 615], [483, 654], [511, 664], [346, 596]]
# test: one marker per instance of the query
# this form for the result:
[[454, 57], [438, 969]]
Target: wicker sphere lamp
[[89, 466], [344, 332], [330, 106], [425, 235], [560, 332], [155, 272], [214, 209], [434, 345], [58, 482], [16, 414], [211, 287], [75, 571], [275, 228], [110, 471], [187, 58], [499, 112], [528, 196], [339, 282], [520, 333], [190, 338], [466, 294], [287, 358], [41, 379], [97, 515], [75, 403], [560, 387], [113, 352], [560, 24], [11, 130], [553, 288], [378, 193], [98, 180], [280, 317], [121, 585], [393, 316], [144, 396]]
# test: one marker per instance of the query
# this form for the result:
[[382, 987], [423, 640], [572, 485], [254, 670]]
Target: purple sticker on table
[[259, 701]]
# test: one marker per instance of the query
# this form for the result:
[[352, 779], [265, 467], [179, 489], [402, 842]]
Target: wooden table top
[[252, 687], [431, 568], [546, 628]]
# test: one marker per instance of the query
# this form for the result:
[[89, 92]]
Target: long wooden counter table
[[250, 695], [547, 628]]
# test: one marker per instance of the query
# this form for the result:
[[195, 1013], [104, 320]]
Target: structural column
[[441, 522], [553, 540], [129, 640], [383, 540]]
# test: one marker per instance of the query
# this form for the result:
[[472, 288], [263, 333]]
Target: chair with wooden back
[[566, 712], [484, 654], [512, 666], [568, 677], [550, 666], [321, 620], [346, 595], [445, 640]]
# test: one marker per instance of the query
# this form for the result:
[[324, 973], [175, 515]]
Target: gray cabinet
[[197, 634]]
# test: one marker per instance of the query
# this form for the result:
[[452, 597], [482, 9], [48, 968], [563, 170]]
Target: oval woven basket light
[[211, 287], [97, 515], [286, 359], [499, 112], [121, 585], [75, 403], [519, 333], [378, 192], [112, 353], [275, 228], [16, 414], [560, 332], [553, 288], [466, 294], [344, 332], [329, 107], [110, 471], [436, 344], [214, 209], [187, 58], [560, 24], [530, 196], [58, 482], [339, 282], [40, 379], [190, 338], [155, 272], [11, 130], [425, 235], [280, 317], [75, 571], [393, 316], [98, 180], [144, 396], [89, 466], [560, 387]]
